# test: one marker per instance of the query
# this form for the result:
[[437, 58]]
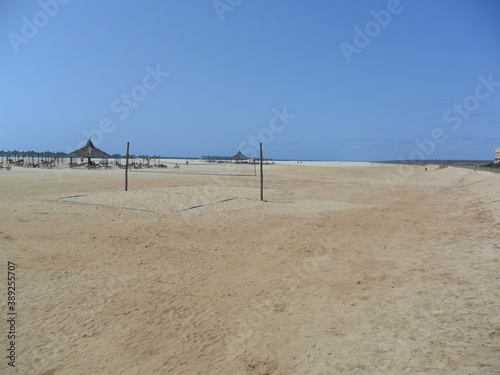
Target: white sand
[[346, 269]]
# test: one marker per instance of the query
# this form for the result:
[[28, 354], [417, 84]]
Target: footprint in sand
[[6, 236]]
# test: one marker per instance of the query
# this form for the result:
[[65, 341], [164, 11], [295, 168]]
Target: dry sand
[[351, 269]]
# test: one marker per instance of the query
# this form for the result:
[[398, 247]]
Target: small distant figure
[[426, 169], [187, 163], [177, 166]]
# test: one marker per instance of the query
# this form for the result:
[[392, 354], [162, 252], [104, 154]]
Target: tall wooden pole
[[126, 168], [261, 176]]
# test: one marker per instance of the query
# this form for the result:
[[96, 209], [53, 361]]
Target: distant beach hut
[[88, 151], [497, 155], [116, 157], [31, 156], [58, 156], [239, 157], [144, 159], [47, 156]]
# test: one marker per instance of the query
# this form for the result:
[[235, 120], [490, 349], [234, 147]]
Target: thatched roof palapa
[[239, 156], [89, 151]]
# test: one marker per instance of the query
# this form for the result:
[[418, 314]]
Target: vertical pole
[[261, 176], [126, 168]]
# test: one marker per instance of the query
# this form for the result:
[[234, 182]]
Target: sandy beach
[[346, 268]]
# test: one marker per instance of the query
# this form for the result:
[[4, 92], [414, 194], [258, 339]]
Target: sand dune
[[358, 269]]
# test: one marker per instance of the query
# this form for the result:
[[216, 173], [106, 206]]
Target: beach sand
[[345, 269]]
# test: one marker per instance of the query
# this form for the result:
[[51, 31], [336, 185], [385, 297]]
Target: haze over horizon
[[329, 80]]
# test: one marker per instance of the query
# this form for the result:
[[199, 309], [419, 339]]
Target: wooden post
[[126, 168], [261, 176]]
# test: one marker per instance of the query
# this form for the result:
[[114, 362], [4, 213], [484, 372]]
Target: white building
[[497, 155]]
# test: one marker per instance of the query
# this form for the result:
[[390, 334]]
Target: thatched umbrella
[[142, 157], [10, 154], [29, 155], [116, 157], [46, 155], [239, 157], [58, 155], [53, 157], [88, 151]]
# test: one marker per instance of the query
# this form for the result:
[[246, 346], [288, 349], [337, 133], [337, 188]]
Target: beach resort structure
[[497, 155], [238, 158], [88, 151]]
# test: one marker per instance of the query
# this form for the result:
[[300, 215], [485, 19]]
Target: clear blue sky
[[231, 70]]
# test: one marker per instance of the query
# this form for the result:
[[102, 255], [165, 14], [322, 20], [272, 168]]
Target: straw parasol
[[58, 155], [239, 156], [31, 154], [88, 151], [116, 157]]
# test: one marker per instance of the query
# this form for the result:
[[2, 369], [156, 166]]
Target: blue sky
[[318, 80]]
